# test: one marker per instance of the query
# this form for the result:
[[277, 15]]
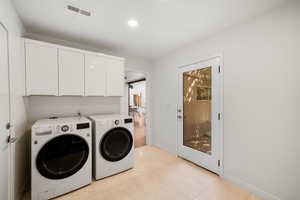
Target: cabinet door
[[115, 77], [71, 73], [95, 76], [41, 69]]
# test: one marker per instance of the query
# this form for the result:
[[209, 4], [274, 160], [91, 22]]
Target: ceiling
[[165, 25]]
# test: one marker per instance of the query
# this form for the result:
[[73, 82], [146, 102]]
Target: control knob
[[65, 128]]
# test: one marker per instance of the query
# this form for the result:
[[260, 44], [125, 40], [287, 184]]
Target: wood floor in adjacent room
[[159, 175], [139, 130]]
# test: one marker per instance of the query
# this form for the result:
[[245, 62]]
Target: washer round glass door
[[62, 156], [116, 144]]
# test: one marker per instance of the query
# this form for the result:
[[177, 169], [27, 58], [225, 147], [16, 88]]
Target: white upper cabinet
[[115, 77], [41, 69], [95, 76], [71, 73], [57, 70]]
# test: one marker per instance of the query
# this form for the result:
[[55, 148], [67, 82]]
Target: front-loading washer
[[113, 144], [61, 158]]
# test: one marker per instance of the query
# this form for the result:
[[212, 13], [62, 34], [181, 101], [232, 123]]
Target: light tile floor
[[159, 175]]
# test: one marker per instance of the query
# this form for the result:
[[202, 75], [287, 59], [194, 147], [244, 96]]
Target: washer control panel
[[128, 120], [117, 122], [83, 126], [64, 128]]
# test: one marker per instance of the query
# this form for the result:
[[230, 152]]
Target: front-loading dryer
[[61, 158], [113, 144]]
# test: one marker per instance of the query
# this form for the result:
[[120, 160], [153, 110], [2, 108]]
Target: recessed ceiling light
[[132, 23]]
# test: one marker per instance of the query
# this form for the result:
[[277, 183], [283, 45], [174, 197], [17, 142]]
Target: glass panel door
[[199, 106], [197, 109]]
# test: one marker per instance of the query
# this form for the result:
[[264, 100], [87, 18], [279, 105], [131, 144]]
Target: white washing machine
[[61, 159], [113, 145]]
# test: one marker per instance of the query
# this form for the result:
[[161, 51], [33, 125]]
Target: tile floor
[[159, 175]]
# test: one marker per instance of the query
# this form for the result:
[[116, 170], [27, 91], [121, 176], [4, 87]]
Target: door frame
[[148, 98], [11, 150], [220, 172]]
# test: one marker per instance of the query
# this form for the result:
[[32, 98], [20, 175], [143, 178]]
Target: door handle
[[8, 126], [11, 140]]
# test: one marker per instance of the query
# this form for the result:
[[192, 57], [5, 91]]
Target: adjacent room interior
[[149, 100], [137, 105]]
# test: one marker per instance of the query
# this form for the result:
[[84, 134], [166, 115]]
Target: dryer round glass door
[[116, 144], [62, 156]]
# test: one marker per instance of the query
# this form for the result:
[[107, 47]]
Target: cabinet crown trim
[[61, 47]]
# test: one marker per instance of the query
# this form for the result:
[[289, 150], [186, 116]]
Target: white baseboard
[[259, 192]]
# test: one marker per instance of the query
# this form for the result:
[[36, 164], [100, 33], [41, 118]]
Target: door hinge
[[219, 116], [219, 163], [219, 69]]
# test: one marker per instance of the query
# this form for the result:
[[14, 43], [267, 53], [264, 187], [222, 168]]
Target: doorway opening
[[137, 106]]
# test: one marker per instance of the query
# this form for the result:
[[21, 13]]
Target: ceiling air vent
[[78, 10], [74, 9]]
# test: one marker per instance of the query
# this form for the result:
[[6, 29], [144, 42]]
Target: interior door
[[199, 114], [4, 116]]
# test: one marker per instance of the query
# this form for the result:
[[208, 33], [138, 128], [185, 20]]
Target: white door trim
[[221, 109], [10, 148]]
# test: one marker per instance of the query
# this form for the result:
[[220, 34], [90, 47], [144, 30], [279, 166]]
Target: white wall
[[10, 19], [46, 106], [261, 101]]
